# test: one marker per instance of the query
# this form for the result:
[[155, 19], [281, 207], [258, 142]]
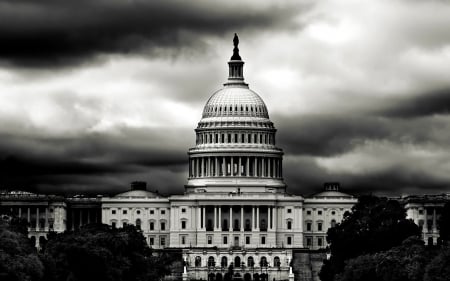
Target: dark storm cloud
[[390, 120], [32, 161], [433, 102], [304, 176], [67, 32]]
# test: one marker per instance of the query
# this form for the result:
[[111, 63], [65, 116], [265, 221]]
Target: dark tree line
[[95, 252], [376, 242]]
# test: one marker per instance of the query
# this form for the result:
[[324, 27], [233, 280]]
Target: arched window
[[211, 262], [250, 262], [224, 262], [263, 262], [198, 261], [237, 261], [333, 223], [138, 224], [276, 262]]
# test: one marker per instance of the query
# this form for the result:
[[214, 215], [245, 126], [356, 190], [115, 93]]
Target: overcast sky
[[96, 94]]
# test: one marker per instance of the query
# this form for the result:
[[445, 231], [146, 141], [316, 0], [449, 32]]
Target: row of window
[[234, 109], [138, 223], [162, 241], [320, 241], [237, 262], [319, 212], [262, 240], [138, 212], [319, 225], [260, 138]]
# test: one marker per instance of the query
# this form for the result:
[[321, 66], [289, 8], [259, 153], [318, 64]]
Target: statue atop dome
[[236, 55]]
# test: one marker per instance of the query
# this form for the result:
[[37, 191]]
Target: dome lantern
[[235, 66]]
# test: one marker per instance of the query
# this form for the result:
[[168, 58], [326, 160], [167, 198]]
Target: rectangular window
[[209, 240], [113, 212], [319, 226], [163, 226], [263, 240], [152, 212], [151, 241], [183, 210], [183, 240], [289, 240], [289, 225], [163, 241], [308, 226], [124, 224], [308, 241], [124, 212], [113, 224], [225, 240], [289, 211], [308, 212], [320, 241], [152, 226], [163, 212], [420, 212], [183, 224], [319, 213], [247, 240]]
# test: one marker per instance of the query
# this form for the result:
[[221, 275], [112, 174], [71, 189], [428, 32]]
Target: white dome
[[235, 100]]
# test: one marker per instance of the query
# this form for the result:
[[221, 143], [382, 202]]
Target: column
[[230, 223], [81, 217], [223, 166], [253, 218], [255, 170], [220, 218], [209, 167], [247, 172], [216, 170], [215, 218], [242, 218], [199, 218], [269, 166], [257, 218], [202, 163], [204, 217], [20, 212], [263, 165], [425, 223], [239, 168], [197, 168], [232, 166], [46, 218], [269, 218], [37, 218], [88, 216], [434, 220]]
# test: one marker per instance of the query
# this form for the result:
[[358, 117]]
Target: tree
[[374, 225], [97, 252], [18, 257], [401, 263], [439, 267]]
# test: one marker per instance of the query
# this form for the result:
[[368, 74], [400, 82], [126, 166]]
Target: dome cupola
[[235, 145]]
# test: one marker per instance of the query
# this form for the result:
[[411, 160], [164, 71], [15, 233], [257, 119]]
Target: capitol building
[[236, 219]]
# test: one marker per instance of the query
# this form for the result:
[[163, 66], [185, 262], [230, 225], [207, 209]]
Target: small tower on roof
[[235, 65]]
